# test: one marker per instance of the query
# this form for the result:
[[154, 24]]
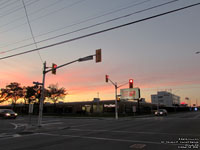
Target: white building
[[165, 98]]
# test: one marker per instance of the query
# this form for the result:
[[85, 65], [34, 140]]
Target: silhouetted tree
[[15, 92], [4, 95], [31, 94], [55, 93]]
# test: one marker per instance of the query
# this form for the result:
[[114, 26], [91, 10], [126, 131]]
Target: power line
[[37, 11], [17, 9], [43, 15], [88, 27], [101, 31], [53, 12], [77, 23], [4, 2], [7, 4], [92, 18], [31, 30]]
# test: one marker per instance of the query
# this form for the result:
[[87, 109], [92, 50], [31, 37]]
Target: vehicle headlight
[[7, 114], [161, 113], [156, 113], [16, 114]]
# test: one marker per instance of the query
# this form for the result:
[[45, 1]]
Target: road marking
[[106, 139], [5, 135], [16, 135], [83, 125], [135, 132], [18, 125], [2, 134], [14, 124], [49, 121], [197, 116], [138, 146], [11, 136], [46, 124]]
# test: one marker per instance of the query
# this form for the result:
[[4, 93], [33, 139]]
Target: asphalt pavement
[[176, 131]]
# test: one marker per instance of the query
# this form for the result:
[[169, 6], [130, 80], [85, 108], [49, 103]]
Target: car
[[161, 112], [8, 113]]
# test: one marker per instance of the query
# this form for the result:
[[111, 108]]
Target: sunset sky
[[159, 54]]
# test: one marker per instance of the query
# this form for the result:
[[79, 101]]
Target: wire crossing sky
[[155, 44], [91, 34]]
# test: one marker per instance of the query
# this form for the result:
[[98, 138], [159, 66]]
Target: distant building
[[165, 98]]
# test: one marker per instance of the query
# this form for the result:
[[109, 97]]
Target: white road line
[[154, 133], [107, 139], [14, 124], [83, 125], [197, 116], [16, 136], [46, 124], [17, 125], [48, 121]]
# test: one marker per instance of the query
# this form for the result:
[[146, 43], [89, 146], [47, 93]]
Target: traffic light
[[130, 83], [38, 93], [107, 77], [54, 66], [98, 55]]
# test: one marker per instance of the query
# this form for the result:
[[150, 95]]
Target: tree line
[[14, 92]]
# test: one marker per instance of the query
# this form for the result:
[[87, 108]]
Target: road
[[177, 131]]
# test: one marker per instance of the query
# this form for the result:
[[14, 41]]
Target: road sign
[[85, 58], [37, 83]]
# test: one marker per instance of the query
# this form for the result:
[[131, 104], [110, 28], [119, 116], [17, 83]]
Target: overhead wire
[[92, 18], [53, 12], [31, 30], [7, 4], [101, 31], [37, 11], [4, 2], [88, 27], [18, 8], [79, 22]]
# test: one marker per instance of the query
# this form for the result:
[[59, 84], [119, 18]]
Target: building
[[165, 98]]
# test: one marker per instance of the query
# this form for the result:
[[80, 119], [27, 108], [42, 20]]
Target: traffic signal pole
[[42, 96], [90, 57], [116, 105], [116, 87]]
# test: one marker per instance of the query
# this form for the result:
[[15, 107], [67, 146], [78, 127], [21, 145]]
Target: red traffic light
[[107, 77], [130, 83], [54, 66]]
